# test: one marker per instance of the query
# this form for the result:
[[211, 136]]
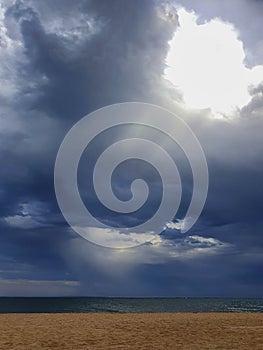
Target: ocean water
[[59, 305]]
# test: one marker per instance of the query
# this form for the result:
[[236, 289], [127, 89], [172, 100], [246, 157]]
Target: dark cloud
[[70, 58], [127, 49], [254, 109]]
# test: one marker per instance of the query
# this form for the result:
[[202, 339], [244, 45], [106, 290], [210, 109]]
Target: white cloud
[[204, 241], [159, 251], [175, 225], [29, 217], [11, 52], [206, 62], [23, 222], [115, 238]]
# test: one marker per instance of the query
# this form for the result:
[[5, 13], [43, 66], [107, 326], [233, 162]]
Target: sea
[[115, 305]]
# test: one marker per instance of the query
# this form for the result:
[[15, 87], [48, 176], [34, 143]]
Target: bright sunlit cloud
[[206, 63]]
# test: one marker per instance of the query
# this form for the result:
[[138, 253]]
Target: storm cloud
[[61, 60]]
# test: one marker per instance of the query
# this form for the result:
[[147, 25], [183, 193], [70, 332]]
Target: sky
[[201, 60]]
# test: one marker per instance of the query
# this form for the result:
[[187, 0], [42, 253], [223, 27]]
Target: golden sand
[[132, 331]]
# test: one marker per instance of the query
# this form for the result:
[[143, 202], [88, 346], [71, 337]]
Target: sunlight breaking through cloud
[[206, 63]]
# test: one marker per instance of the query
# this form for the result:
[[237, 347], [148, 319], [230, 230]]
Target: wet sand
[[168, 331]]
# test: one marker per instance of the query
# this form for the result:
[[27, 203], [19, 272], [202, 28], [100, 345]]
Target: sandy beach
[[132, 331]]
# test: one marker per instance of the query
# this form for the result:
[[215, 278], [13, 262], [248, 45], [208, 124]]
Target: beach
[[142, 331]]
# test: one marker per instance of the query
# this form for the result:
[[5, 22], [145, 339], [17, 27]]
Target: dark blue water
[[58, 305]]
